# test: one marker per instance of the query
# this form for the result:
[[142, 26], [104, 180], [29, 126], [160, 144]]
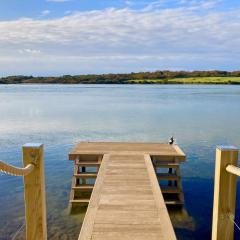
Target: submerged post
[[224, 194], [34, 193]]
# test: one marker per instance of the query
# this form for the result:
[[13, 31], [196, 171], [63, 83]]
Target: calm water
[[200, 117]]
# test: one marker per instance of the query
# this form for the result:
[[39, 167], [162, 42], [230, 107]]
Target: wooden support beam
[[34, 193], [170, 172], [224, 194], [86, 175]]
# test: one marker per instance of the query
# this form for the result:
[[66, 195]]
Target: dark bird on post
[[171, 140]]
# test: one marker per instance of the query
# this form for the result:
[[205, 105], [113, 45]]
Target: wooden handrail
[[34, 193], [233, 169], [34, 190], [225, 185]]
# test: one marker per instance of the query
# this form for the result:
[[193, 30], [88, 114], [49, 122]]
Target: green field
[[197, 80]]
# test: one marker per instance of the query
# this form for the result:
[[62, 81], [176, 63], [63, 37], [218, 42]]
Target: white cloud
[[129, 3], [123, 40], [190, 4], [45, 13], [29, 51], [68, 12]]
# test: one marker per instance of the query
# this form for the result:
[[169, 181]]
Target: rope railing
[[233, 169], [34, 190], [16, 171]]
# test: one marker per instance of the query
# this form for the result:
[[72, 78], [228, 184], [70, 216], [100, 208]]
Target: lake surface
[[200, 117]]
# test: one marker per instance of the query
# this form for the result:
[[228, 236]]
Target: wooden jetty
[[125, 202]]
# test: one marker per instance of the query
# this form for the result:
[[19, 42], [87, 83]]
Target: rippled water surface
[[200, 117]]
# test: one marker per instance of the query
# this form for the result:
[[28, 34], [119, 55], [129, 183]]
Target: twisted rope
[[18, 231], [232, 218], [233, 169], [15, 171]]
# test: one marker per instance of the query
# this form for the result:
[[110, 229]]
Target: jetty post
[[225, 184], [34, 192]]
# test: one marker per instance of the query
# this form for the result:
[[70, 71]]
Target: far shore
[[192, 81], [158, 77]]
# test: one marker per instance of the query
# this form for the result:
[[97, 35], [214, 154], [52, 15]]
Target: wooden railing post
[[224, 194], [34, 193]]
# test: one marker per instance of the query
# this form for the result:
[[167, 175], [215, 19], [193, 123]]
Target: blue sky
[[14, 9], [55, 37]]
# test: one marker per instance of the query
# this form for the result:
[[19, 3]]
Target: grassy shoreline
[[196, 80], [90, 80]]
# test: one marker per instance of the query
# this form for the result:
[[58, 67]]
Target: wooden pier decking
[[126, 201]]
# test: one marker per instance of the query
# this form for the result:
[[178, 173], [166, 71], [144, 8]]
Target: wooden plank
[[178, 150], [143, 205], [88, 164], [100, 227], [170, 189], [174, 202], [166, 225], [88, 223], [167, 176], [74, 180], [83, 187], [85, 201], [34, 193], [126, 204], [126, 236], [153, 149], [166, 165], [85, 175]]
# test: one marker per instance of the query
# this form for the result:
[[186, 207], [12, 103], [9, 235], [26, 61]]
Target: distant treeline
[[163, 77]]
